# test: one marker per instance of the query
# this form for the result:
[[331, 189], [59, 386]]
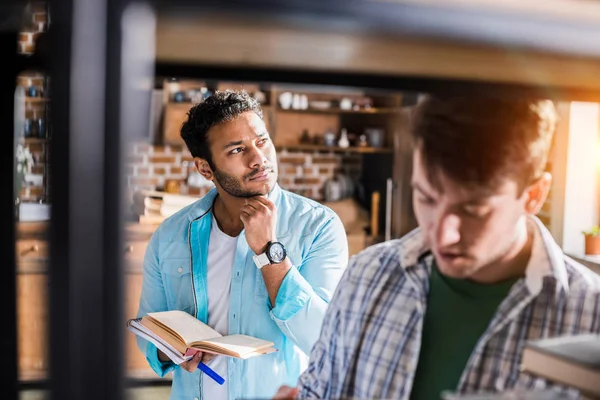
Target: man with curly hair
[[248, 258]]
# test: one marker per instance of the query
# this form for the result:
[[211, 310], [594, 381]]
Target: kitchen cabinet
[[33, 301], [32, 325]]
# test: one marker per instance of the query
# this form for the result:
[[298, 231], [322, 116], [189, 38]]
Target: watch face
[[276, 252]]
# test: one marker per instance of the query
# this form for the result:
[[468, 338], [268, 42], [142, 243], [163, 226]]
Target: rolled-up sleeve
[[306, 290], [152, 299]]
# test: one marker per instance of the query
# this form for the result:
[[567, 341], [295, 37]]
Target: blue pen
[[210, 372]]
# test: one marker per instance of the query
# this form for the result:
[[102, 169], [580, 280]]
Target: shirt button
[[195, 398], [180, 270]]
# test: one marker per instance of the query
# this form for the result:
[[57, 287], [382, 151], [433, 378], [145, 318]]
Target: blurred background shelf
[[37, 99], [35, 140], [340, 111], [336, 149]]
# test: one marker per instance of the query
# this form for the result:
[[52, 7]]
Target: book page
[[140, 330], [239, 345], [188, 327]]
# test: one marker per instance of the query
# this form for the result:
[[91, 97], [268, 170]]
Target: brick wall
[[35, 23], [306, 172], [149, 167]]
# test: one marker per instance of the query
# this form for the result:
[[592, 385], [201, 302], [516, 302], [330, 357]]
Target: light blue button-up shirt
[[175, 279]]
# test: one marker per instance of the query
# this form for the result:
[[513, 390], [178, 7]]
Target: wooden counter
[[39, 230], [32, 249], [32, 230], [33, 246]]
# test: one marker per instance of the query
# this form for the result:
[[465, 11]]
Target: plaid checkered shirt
[[370, 339]]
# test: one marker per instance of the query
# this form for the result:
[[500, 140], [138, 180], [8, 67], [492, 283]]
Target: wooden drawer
[[33, 328], [134, 250], [134, 359], [31, 249], [32, 325]]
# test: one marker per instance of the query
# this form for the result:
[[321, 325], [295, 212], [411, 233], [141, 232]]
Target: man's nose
[[448, 230], [258, 158]]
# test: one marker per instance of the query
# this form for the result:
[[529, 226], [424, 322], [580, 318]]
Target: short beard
[[232, 185]]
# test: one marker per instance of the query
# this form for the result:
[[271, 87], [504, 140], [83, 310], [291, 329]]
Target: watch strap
[[260, 260]]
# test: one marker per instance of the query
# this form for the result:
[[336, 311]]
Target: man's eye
[[236, 150], [476, 211], [262, 141], [425, 200]]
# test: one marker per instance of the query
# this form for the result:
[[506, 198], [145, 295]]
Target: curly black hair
[[220, 107]]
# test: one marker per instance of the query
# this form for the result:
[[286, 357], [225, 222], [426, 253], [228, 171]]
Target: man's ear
[[203, 167], [537, 193]]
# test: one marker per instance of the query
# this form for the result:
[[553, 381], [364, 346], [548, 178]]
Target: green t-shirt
[[458, 313]]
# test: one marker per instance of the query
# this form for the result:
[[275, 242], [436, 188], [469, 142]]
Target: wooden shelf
[[335, 149], [190, 104], [36, 140], [36, 99], [340, 111]]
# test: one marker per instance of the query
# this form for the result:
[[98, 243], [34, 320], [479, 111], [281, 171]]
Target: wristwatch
[[274, 254]]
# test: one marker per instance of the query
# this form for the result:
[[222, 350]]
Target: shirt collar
[[547, 258]]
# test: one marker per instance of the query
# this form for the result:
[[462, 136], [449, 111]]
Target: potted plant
[[592, 241]]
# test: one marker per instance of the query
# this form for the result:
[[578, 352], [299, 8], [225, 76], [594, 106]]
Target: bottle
[[48, 119], [27, 128], [32, 91], [296, 102], [344, 142], [305, 138], [41, 128], [329, 138]]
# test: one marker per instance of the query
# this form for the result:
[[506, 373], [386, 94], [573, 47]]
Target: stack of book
[[154, 206], [568, 360]]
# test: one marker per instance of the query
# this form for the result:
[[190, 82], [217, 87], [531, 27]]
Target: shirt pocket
[[178, 287]]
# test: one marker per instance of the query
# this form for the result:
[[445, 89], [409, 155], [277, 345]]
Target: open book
[[180, 335]]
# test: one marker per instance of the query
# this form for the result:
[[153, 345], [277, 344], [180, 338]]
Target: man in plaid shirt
[[450, 306]]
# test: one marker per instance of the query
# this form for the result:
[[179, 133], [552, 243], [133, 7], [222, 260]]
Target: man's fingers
[[263, 200], [286, 393], [207, 357], [192, 364], [256, 204], [247, 210]]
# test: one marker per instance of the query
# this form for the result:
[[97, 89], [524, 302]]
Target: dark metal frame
[[8, 291], [86, 324]]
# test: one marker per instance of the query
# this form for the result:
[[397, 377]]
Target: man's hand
[[286, 393], [259, 216], [192, 364]]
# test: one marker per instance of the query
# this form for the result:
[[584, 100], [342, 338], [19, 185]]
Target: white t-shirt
[[221, 251]]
